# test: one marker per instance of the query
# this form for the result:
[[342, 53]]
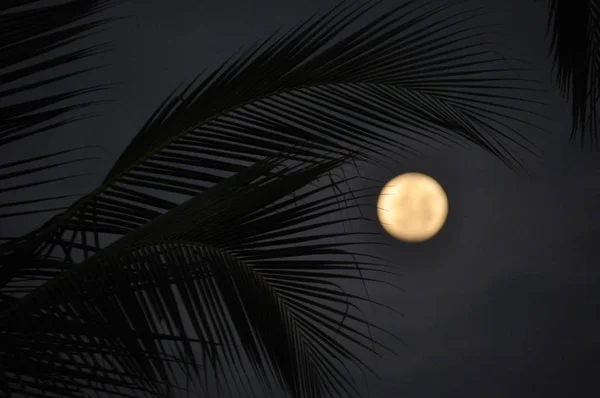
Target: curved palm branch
[[576, 54], [413, 74], [241, 262]]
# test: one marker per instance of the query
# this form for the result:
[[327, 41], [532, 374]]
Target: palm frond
[[38, 40], [232, 283], [30, 37], [411, 75], [575, 48], [33, 166]]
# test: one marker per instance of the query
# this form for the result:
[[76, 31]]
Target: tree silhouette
[[238, 283]]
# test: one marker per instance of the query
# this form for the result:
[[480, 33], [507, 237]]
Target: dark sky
[[504, 302]]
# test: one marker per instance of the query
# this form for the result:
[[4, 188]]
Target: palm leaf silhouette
[[237, 254], [36, 40], [39, 39], [245, 273], [409, 74], [574, 28]]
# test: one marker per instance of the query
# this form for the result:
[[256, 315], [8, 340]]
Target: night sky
[[504, 302]]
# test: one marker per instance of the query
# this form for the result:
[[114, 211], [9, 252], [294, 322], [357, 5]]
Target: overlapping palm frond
[[575, 47], [37, 42], [235, 279], [416, 73], [229, 285]]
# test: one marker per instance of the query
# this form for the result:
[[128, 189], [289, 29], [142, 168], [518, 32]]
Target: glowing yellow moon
[[412, 207]]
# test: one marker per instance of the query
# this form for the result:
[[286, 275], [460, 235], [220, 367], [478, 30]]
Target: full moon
[[412, 207]]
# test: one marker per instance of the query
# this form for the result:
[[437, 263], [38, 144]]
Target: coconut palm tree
[[236, 287], [574, 28]]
